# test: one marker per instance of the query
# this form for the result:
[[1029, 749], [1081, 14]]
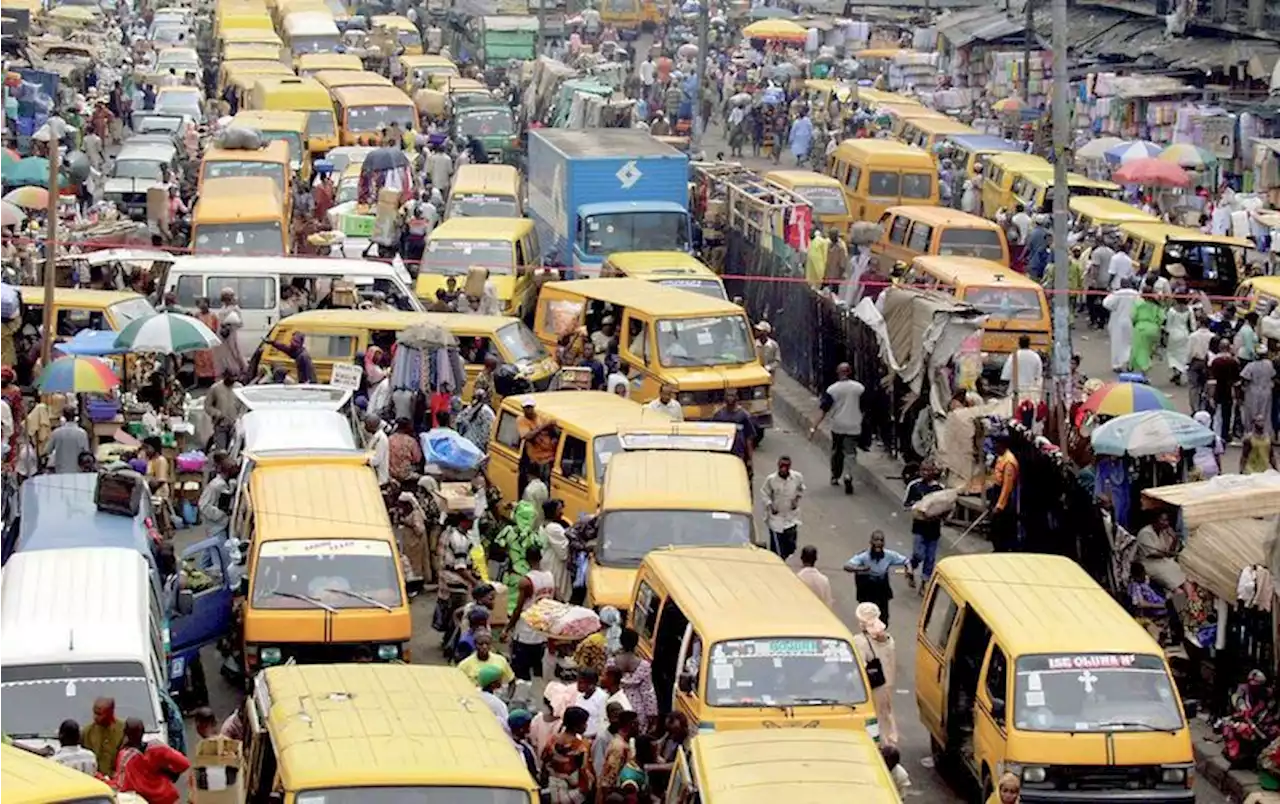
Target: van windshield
[[455, 257], [293, 140], [130, 310], [485, 123], [375, 118], [414, 795], [635, 231], [825, 200], [35, 698], [626, 537], [713, 341], [984, 244], [521, 343], [321, 124], [479, 205], [244, 239], [315, 573], [1094, 693], [790, 671], [318, 43], [235, 169], [1006, 304]]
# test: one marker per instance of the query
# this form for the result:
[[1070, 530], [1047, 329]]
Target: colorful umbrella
[[1151, 172], [1151, 432], [1011, 105], [778, 30], [1121, 398], [1094, 150], [9, 159], [1127, 152], [28, 197], [1186, 155], [34, 170], [77, 375], [11, 215], [166, 333]]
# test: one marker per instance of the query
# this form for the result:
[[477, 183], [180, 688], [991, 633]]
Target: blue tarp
[[91, 343], [447, 448]]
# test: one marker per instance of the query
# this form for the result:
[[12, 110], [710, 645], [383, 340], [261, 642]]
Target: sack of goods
[[239, 138], [561, 621], [936, 504]]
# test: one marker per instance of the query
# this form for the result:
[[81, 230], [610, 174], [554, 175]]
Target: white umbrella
[[1096, 150], [1151, 432]]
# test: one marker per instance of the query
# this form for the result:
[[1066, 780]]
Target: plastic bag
[[239, 138], [448, 449]]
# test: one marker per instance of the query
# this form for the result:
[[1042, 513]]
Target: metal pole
[[542, 27], [1028, 36], [1062, 154], [50, 254], [701, 73]]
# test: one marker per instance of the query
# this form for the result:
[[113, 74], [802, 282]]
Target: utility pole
[[1028, 36], [50, 253], [1061, 154], [542, 27], [704, 17]]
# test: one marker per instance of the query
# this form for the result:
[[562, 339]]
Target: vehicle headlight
[[1034, 774], [873, 728], [760, 392], [388, 652], [685, 398], [271, 655], [1175, 775]]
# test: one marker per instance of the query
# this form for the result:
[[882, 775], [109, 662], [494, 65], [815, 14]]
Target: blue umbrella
[[91, 343], [1136, 149], [32, 171], [1150, 432]]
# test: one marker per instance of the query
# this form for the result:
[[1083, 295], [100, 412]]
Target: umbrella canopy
[[1186, 155], [9, 159], [384, 159], [1011, 105], [166, 333], [1151, 172], [1097, 149], [91, 343], [1152, 432], [28, 197], [34, 170], [77, 375], [426, 337], [777, 30], [11, 214], [1121, 398], [1128, 151]]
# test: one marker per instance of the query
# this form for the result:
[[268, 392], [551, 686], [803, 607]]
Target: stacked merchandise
[[910, 69], [1132, 107], [1007, 75]]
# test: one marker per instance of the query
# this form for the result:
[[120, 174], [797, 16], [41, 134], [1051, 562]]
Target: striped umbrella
[[1151, 432], [1137, 149], [28, 197], [1188, 156], [77, 375], [1097, 149], [11, 214], [1119, 398], [166, 333]]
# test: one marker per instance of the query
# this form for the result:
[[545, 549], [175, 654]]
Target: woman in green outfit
[[1148, 318], [515, 540]]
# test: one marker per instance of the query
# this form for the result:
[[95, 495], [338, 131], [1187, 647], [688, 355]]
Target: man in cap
[[605, 339], [767, 347], [489, 679], [538, 443]]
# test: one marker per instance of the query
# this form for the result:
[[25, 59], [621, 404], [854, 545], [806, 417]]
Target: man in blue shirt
[[872, 568]]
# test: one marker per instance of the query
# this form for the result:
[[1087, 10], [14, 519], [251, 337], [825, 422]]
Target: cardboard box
[[476, 277], [217, 772], [456, 498]]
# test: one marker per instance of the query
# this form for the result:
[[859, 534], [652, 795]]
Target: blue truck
[[598, 191]]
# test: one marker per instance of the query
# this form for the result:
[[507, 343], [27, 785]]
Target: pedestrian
[[404, 453], [1030, 377], [1098, 282], [876, 649], [800, 138], [1177, 330], [842, 402], [527, 645], [554, 534], [667, 403], [227, 354], [1009, 791], [537, 442], [205, 365], [296, 349], [926, 531], [1257, 384], [744, 440], [490, 679], [566, 761], [105, 735], [223, 409], [636, 680], [1148, 319], [782, 491], [618, 754], [1199, 350], [485, 657], [812, 577], [1224, 375], [377, 443], [71, 754], [518, 723], [148, 770], [67, 442], [214, 505], [893, 761], [1119, 305], [837, 261], [815, 261], [517, 539], [871, 568], [591, 699], [475, 421], [1002, 496], [1258, 451]]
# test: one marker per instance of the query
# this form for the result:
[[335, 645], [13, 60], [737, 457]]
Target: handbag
[[875, 670]]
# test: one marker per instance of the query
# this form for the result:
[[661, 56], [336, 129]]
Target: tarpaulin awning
[[1216, 553], [1222, 498]]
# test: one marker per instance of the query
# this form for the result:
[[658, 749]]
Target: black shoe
[[835, 481], [848, 485]]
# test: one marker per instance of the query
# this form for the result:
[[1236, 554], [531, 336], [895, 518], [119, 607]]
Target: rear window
[[917, 185], [1006, 304], [982, 243], [825, 200]]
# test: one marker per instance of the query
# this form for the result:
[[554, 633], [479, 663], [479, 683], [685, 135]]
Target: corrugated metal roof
[[977, 25]]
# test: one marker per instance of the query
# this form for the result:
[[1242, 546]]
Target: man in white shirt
[[70, 753], [490, 681], [1030, 368], [813, 577], [376, 441], [593, 700], [1022, 222], [842, 401], [648, 75], [782, 491], [1199, 347], [666, 403], [1120, 269]]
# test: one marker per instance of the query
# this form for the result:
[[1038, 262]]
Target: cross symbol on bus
[[1087, 679]]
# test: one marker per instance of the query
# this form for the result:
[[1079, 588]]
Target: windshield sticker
[[1035, 698], [704, 338], [1087, 680], [71, 689], [1091, 661]]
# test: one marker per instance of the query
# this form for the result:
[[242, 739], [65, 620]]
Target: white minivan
[[258, 281], [78, 624]]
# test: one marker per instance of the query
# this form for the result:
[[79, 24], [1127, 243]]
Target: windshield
[[414, 795], [424, 73], [714, 341], [486, 123], [35, 698], [348, 190], [314, 573], [372, 118], [604, 447], [825, 200], [1103, 692], [290, 138], [319, 43], [130, 310], [985, 244], [626, 537], [483, 206], [703, 287], [136, 169], [636, 231], [793, 671], [1019, 304], [409, 39], [243, 239], [236, 169], [321, 124], [454, 257], [520, 342], [187, 103], [167, 125]]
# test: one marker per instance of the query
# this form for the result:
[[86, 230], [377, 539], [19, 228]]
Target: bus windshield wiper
[[359, 596], [320, 604]]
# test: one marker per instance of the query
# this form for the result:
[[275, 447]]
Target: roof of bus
[[1100, 206], [392, 21], [802, 178], [257, 36], [273, 151], [647, 297], [944, 216], [1044, 177], [271, 120], [481, 229], [329, 61], [589, 411], [873, 96], [763, 766], [1043, 604], [983, 143], [1264, 284], [1162, 232], [299, 92], [238, 198], [32, 779], [77, 297], [334, 79], [310, 23], [941, 125], [464, 324], [353, 725], [299, 498], [973, 271], [878, 148], [742, 592], [908, 112], [672, 263], [1019, 160], [678, 481], [371, 96], [238, 67], [427, 60], [473, 178], [237, 51]]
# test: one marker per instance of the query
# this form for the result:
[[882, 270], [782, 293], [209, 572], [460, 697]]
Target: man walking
[[812, 577], [842, 401], [872, 567], [925, 531], [782, 491], [66, 444]]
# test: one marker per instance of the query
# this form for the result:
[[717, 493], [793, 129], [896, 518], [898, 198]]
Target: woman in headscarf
[[875, 647], [1147, 317], [206, 365], [1120, 305], [1009, 791], [373, 371], [1257, 381], [1178, 326], [637, 679], [516, 539], [1207, 461], [227, 354], [595, 650]]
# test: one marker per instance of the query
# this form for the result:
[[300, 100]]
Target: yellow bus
[[310, 63], [924, 132], [407, 35], [287, 127], [825, 194], [998, 175], [339, 79], [32, 779], [672, 269], [243, 216], [506, 247], [878, 174], [292, 94], [364, 111]]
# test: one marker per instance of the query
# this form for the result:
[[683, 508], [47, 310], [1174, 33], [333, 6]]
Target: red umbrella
[[1152, 173]]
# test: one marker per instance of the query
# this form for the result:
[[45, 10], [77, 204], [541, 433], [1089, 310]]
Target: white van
[[257, 282], [79, 624], [296, 418]]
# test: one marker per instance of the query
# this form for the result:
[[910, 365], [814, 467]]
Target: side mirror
[[686, 683], [998, 709], [186, 601]]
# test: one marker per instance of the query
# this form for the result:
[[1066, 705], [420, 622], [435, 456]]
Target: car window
[[898, 232], [573, 458], [189, 289], [940, 617], [508, 434], [644, 613], [921, 234], [252, 292]]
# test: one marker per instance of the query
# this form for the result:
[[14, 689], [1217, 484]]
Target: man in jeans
[[926, 532], [842, 402]]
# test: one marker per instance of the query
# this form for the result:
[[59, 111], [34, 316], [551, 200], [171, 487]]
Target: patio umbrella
[[1121, 398], [384, 159], [775, 30], [11, 214], [1095, 150], [166, 333], [77, 375], [9, 159], [1186, 155], [1152, 432], [28, 197], [1151, 172], [1010, 105], [90, 343], [1129, 151], [34, 170]]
